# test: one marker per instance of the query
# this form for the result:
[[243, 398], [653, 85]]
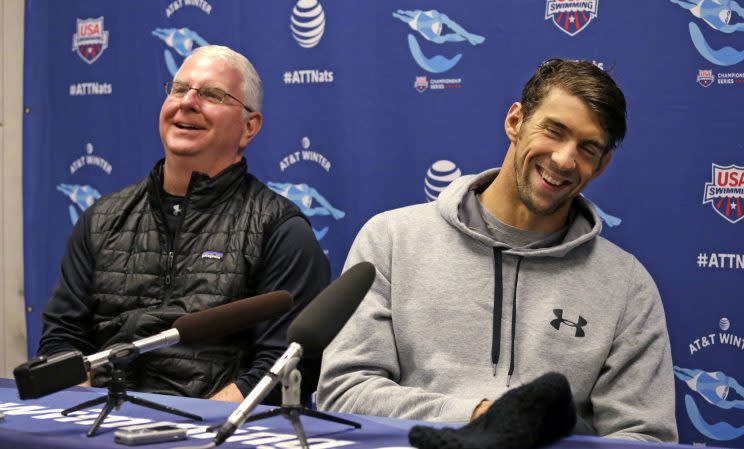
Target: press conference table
[[37, 424]]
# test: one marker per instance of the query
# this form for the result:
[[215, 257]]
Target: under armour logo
[[176, 209], [556, 323]]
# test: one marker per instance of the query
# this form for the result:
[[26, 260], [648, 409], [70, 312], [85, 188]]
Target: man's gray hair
[[252, 85]]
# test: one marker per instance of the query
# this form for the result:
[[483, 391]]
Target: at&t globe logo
[[438, 177], [724, 324], [308, 23]]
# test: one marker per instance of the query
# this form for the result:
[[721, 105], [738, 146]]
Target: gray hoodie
[[428, 342]]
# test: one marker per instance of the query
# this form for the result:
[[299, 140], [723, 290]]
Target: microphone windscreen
[[317, 325], [232, 318]]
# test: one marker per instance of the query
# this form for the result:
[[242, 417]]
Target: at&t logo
[[711, 390], [181, 41], [438, 177], [307, 197], [308, 23], [82, 196]]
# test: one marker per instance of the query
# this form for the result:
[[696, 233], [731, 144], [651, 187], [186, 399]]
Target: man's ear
[[602, 164], [252, 127], [513, 121]]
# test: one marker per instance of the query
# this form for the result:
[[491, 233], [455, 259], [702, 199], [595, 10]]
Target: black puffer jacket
[[144, 278]]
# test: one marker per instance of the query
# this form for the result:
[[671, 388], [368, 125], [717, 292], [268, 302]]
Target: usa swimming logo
[[90, 39], [725, 192], [705, 77], [421, 84], [571, 16]]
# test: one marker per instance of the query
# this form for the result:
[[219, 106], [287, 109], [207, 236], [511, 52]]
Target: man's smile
[[552, 180], [187, 126]]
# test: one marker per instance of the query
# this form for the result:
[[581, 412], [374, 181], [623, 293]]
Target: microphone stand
[[120, 355], [292, 408], [285, 368]]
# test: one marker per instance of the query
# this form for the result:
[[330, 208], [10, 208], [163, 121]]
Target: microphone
[[44, 375], [318, 323], [313, 329], [528, 416]]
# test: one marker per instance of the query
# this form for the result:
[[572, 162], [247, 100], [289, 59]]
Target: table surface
[[38, 424]]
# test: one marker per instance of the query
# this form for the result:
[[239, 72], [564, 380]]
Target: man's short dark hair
[[582, 79]]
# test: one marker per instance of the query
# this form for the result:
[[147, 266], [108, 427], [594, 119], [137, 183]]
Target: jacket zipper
[[172, 238], [169, 268]]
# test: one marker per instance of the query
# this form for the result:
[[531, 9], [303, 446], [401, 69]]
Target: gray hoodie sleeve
[[633, 397], [360, 371]]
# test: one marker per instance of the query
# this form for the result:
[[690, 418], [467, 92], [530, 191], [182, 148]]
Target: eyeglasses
[[214, 95]]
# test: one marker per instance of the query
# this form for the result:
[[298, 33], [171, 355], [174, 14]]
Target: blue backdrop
[[376, 104]]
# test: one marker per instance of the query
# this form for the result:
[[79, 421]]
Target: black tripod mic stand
[[292, 408], [120, 356]]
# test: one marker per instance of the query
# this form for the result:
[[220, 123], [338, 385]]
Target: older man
[[198, 232], [505, 277]]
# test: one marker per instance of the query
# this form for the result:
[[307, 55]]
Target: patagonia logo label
[[212, 255]]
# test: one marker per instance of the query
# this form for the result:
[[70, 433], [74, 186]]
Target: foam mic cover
[[528, 416], [317, 325], [232, 318]]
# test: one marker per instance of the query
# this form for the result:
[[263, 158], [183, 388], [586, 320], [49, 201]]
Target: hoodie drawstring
[[498, 296], [514, 322]]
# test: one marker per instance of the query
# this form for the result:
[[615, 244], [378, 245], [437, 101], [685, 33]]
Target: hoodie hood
[[458, 205]]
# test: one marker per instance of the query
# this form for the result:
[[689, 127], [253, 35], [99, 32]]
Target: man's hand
[[481, 409], [230, 393], [87, 382]]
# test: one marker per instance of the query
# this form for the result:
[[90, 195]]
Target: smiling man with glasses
[[198, 232]]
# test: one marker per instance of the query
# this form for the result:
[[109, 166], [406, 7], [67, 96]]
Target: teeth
[[550, 180], [184, 125]]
